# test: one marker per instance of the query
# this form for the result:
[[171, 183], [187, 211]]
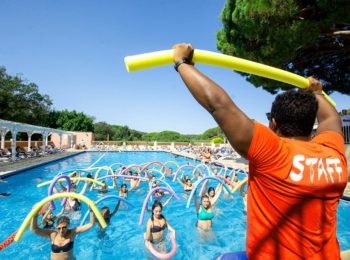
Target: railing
[[346, 133]]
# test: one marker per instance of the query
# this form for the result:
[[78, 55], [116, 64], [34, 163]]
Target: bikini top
[[203, 214], [123, 194], [156, 229], [188, 187], [60, 249]]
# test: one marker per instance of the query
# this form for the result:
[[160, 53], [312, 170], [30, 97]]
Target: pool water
[[124, 237]]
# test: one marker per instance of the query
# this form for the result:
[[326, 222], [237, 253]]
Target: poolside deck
[[9, 168], [240, 163], [347, 190]]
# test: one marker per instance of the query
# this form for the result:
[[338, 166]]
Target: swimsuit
[[123, 194], [60, 249], [48, 225], [156, 229], [204, 214]]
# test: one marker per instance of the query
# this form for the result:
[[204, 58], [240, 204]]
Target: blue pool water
[[124, 237]]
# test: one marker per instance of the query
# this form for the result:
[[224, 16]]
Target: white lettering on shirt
[[321, 170], [297, 163], [324, 167], [338, 169], [330, 170], [311, 162]]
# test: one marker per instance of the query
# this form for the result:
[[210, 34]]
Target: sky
[[74, 51]]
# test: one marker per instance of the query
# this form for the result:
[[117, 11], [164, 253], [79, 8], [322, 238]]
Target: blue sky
[[74, 51]]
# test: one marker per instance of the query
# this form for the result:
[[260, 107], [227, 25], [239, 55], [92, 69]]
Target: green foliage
[[150, 136], [103, 131], [121, 133], [71, 121], [217, 140], [168, 136], [135, 135], [22, 102], [212, 132], [304, 37]]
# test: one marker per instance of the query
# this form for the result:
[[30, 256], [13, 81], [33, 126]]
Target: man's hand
[[182, 50], [315, 86]]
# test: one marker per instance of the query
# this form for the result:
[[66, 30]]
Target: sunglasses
[[268, 115]]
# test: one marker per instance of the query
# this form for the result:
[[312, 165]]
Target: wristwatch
[[183, 60]]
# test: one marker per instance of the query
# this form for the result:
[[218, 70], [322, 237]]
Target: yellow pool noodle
[[38, 206], [161, 58], [239, 185], [73, 179]]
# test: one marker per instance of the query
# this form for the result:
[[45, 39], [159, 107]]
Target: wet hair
[[63, 219], [211, 189], [89, 176], [123, 185], [157, 204], [205, 197], [105, 208], [294, 112]]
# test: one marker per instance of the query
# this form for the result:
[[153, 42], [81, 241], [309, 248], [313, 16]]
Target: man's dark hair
[[295, 112]]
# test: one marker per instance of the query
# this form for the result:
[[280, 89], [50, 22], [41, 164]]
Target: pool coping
[[19, 169]]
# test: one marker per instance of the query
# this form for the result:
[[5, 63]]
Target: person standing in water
[[62, 239]]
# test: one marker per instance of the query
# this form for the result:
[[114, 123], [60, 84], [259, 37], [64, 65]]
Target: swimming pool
[[124, 237]]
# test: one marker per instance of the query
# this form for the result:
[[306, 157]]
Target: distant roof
[[24, 128]]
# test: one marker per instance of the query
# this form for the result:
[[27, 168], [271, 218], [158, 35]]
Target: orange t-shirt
[[293, 195]]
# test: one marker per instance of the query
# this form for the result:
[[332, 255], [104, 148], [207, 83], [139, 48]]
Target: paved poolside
[[347, 190], [8, 168]]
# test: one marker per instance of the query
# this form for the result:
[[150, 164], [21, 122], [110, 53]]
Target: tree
[[303, 37], [121, 133], [217, 140], [72, 121], [135, 135], [103, 131], [150, 136], [22, 102], [168, 136], [212, 132]]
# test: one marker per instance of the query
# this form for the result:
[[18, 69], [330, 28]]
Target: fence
[[346, 133]]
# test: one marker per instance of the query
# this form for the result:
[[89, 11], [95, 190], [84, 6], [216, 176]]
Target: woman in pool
[[62, 240], [106, 213], [134, 182], [155, 228], [204, 212], [72, 204], [169, 172], [244, 195], [213, 194], [123, 191], [49, 218], [186, 184], [103, 188]]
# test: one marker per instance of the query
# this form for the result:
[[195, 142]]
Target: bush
[[217, 140]]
